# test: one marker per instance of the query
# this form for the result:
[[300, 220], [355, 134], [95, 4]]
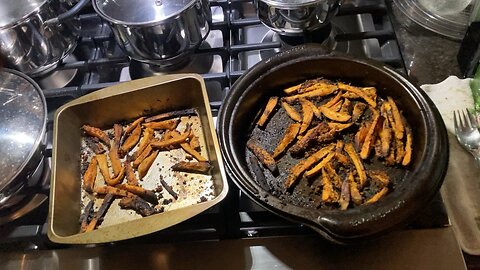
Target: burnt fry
[[359, 92], [98, 133], [144, 141], [169, 189], [86, 216], [346, 107], [333, 115], [297, 170], [344, 200], [170, 124], [290, 135], [407, 157], [130, 174], [145, 153], [90, 176], [117, 135], [357, 162], [291, 112], [263, 156], [307, 115], [104, 190], [385, 138], [131, 141], [192, 167], [145, 194], [377, 196], [146, 164], [98, 217], [137, 204], [358, 110], [96, 147], [194, 143], [398, 124], [133, 125], [271, 104], [320, 165], [171, 114]]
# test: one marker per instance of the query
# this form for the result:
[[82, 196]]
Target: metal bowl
[[413, 191]]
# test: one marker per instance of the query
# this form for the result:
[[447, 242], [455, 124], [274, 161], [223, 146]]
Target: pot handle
[[69, 14]]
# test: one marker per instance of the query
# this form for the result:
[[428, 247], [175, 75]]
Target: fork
[[468, 135]]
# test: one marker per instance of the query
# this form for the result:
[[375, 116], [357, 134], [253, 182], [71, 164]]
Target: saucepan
[[414, 188]]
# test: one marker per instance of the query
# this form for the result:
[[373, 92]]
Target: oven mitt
[[461, 187]]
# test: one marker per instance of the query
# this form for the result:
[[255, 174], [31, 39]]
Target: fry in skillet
[[355, 195], [290, 135], [358, 110], [333, 115], [357, 163], [137, 204], [202, 167], [319, 92], [398, 124], [371, 136], [328, 193], [320, 165], [98, 133], [407, 157], [307, 115], [344, 200], [359, 92], [377, 196], [263, 156], [291, 112], [271, 104]]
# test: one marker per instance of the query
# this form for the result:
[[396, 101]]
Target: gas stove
[[236, 42]]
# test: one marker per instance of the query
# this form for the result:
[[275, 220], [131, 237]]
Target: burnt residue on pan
[[303, 194]]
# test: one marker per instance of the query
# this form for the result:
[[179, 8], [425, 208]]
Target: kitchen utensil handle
[[70, 13]]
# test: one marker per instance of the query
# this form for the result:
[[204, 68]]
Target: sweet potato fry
[[98, 133], [311, 136], [271, 104], [333, 100], [335, 178], [194, 142], [314, 108], [390, 159], [202, 167], [320, 165], [137, 204], [131, 141], [145, 153], [103, 165], [147, 137], [173, 141], [291, 112], [115, 160], [98, 217], [171, 114], [335, 116], [379, 177], [360, 136], [344, 200], [398, 124], [369, 91], [146, 164], [373, 130], [304, 165], [133, 126], [263, 156], [400, 151], [117, 135], [316, 84], [354, 192], [337, 127], [104, 190], [117, 179], [385, 137], [170, 124], [319, 92], [342, 159], [292, 89], [358, 110], [328, 193], [96, 147], [346, 107], [131, 177], [377, 196], [337, 106], [357, 162], [145, 194], [90, 175], [307, 116], [193, 152], [290, 135], [408, 147], [359, 92]]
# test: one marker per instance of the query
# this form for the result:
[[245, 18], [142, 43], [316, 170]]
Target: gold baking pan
[[126, 102]]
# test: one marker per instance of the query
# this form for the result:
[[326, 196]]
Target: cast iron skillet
[[420, 182]]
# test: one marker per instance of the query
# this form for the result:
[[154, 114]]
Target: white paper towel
[[461, 188]]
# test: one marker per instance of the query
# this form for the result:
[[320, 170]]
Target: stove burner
[[197, 63], [324, 36], [58, 78], [29, 197]]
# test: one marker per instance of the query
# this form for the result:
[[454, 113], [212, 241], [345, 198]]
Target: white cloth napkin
[[461, 188]]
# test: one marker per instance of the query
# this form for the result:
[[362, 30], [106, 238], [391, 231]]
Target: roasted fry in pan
[[328, 193], [147, 137], [272, 102], [320, 165], [137, 204], [289, 136], [98, 133], [398, 124], [98, 217], [90, 176], [146, 164], [315, 109], [115, 160], [172, 141], [171, 114], [371, 136], [103, 165], [357, 162], [358, 110], [358, 91], [145, 194], [320, 92], [192, 167], [333, 115], [263, 156], [133, 125], [117, 135], [104, 190], [131, 141], [307, 115], [344, 200], [354, 192], [170, 124], [130, 174], [291, 112], [407, 157], [377, 196], [145, 153]]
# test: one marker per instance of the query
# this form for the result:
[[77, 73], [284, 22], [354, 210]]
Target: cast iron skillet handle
[[69, 14]]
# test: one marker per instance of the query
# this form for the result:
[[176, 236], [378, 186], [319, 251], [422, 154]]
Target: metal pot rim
[[140, 24], [23, 18]]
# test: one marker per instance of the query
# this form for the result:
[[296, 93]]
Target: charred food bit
[[385, 138], [194, 142], [169, 189], [146, 164], [117, 135], [146, 194], [131, 177], [90, 176], [344, 200], [357, 162], [192, 167], [98, 133], [171, 114], [137, 204], [265, 158], [144, 141], [307, 115], [98, 217], [290, 135], [360, 136], [131, 141], [271, 104], [86, 216], [258, 172], [291, 112], [321, 131], [377, 196], [380, 177], [97, 148], [165, 124]]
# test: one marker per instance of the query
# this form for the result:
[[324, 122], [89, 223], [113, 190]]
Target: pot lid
[[12, 11], [140, 12], [23, 114]]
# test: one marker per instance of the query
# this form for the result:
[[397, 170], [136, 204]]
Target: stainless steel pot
[[296, 17], [157, 31], [31, 45], [23, 118]]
